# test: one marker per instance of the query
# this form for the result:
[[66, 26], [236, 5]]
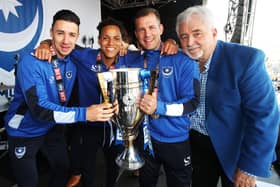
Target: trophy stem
[[129, 159]]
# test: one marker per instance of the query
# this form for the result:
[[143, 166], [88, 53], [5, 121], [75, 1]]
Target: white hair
[[204, 13]]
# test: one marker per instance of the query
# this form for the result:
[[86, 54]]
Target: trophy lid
[[125, 76], [126, 70]]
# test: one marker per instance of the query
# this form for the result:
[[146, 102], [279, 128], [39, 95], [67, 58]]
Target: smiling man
[[235, 127], [97, 135], [42, 92], [176, 96]]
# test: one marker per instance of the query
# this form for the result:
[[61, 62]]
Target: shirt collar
[[66, 59], [207, 64], [151, 52]]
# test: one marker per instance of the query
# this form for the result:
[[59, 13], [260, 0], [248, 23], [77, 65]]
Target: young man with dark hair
[[97, 135], [42, 92]]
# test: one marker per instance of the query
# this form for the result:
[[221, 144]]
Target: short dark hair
[[111, 21], [146, 11], [66, 15]]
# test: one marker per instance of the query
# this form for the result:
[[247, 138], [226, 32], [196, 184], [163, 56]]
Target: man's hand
[[241, 179], [100, 112], [124, 48], [169, 47], [44, 51], [148, 104]]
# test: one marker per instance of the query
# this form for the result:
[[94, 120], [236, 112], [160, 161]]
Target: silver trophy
[[127, 85]]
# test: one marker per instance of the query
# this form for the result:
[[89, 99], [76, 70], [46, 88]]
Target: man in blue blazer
[[234, 129]]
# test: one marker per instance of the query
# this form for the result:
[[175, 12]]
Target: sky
[[266, 28], [266, 33]]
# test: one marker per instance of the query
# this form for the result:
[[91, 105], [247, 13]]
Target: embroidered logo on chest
[[68, 74], [167, 71]]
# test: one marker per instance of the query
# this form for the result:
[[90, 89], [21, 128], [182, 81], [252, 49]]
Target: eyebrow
[[197, 30]]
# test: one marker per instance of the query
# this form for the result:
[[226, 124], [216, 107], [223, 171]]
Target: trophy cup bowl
[[127, 86]]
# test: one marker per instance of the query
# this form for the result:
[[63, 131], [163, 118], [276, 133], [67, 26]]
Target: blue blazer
[[242, 114]]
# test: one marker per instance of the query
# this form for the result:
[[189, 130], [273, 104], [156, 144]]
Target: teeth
[[110, 49]]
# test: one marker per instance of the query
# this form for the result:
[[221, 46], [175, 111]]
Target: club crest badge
[[69, 74], [20, 152], [167, 71], [21, 26]]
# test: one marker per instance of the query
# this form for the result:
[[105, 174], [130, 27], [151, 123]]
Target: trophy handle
[[106, 85], [103, 86], [153, 81], [153, 85]]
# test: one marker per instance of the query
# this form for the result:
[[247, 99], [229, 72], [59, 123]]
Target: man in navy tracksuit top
[[42, 92], [176, 96], [98, 134], [93, 136]]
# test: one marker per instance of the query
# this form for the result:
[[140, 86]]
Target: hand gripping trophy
[[127, 85]]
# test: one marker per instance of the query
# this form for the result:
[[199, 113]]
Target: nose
[[110, 41], [190, 40], [66, 38], [147, 32]]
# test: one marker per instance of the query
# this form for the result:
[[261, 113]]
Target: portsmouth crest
[[20, 152], [167, 71], [21, 26], [69, 74]]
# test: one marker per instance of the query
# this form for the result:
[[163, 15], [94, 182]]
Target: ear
[[99, 40], [215, 32], [161, 28], [51, 33]]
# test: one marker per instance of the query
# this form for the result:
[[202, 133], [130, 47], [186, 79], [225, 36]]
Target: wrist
[[249, 174], [46, 42], [172, 41]]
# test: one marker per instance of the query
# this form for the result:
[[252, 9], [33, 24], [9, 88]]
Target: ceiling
[[123, 4]]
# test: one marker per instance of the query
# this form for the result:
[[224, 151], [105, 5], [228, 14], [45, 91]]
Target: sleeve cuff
[[81, 115], [161, 109], [249, 174]]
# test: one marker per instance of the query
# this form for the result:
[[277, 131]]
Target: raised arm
[[169, 47], [44, 50]]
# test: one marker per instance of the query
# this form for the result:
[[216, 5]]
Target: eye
[[153, 27], [141, 30], [184, 37], [117, 39], [74, 35], [105, 38], [197, 34], [59, 33]]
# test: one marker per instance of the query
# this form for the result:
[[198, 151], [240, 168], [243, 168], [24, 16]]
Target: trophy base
[[130, 160]]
